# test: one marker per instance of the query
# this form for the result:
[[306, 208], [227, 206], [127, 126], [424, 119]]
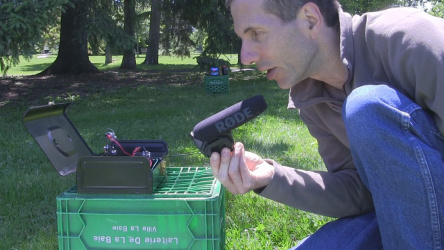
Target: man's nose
[[248, 54]]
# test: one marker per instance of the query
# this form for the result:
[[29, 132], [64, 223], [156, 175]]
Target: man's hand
[[240, 171]]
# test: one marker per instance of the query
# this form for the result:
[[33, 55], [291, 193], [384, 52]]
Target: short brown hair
[[288, 9]]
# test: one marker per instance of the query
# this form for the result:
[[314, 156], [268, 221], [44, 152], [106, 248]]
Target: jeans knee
[[364, 109]]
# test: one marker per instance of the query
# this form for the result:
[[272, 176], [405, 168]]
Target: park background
[[138, 67]]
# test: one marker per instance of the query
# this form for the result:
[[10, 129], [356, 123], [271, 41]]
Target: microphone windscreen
[[230, 118]]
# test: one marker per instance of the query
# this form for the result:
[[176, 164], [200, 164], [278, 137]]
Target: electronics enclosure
[[95, 174]]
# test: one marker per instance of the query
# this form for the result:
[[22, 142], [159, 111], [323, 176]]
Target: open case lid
[[57, 136]]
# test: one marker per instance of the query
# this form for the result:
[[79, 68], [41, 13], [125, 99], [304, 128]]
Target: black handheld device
[[214, 133]]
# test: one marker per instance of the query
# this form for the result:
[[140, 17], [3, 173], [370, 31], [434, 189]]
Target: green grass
[[29, 184], [40, 62]]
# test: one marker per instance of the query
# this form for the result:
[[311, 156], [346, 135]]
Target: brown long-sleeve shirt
[[399, 47]]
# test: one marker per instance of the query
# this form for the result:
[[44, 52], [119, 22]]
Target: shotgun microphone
[[214, 133]]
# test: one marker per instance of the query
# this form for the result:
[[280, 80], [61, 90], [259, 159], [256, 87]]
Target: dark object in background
[[224, 70]]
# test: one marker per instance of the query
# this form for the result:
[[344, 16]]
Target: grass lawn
[[39, 62], [161, 102]]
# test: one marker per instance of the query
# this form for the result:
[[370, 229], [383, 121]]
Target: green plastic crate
[[217, 84], [187, 211]]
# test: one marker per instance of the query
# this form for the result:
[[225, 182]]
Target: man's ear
[[313, 16]]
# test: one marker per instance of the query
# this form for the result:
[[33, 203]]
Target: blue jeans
[[399, 154]]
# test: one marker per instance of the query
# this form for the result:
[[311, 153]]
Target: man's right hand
[[240, 171]]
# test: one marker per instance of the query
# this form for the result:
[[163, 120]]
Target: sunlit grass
[[40, 62], [29, 184]]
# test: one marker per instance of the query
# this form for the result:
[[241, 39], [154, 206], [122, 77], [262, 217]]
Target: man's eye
[[255, 34]]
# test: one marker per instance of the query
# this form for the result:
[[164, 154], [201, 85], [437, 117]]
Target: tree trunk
[[129, 58], [152, 53], [72, 58], [108, 53]]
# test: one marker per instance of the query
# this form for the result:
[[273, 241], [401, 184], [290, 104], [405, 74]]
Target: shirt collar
[[347, 46]]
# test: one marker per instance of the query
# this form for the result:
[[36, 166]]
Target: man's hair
[[288, 9]]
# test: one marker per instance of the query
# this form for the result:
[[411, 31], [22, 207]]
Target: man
[[371, 90]]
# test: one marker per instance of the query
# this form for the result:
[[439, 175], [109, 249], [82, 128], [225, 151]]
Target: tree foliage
[[213, 18], [359, 7], [22, 25], [176, 30], [105, 25], [178, 26], [436, 8]]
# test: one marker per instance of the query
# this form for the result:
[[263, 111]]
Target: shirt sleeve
[[337, 192]]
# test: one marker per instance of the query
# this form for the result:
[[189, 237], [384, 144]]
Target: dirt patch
[[33, 89]]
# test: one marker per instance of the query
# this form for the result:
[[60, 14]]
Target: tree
[[22, 25], [358, 7], [129, 58], [412, 3], [437, 9], [219, 27], [72, 58], [213, 18], [152, 53], [105, 28], [433, 7], [98, 19], [176, 32]]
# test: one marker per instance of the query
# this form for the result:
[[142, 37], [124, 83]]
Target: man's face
[[284, 50]]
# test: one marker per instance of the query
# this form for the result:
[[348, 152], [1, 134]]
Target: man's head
[[288, 9], [290, 40]]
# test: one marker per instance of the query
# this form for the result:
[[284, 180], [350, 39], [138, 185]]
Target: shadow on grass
[[38, 90]]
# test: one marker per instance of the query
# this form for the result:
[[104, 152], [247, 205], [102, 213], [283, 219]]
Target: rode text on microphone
[[214, 133]]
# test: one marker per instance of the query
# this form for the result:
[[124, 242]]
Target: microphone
[[214, 133]]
